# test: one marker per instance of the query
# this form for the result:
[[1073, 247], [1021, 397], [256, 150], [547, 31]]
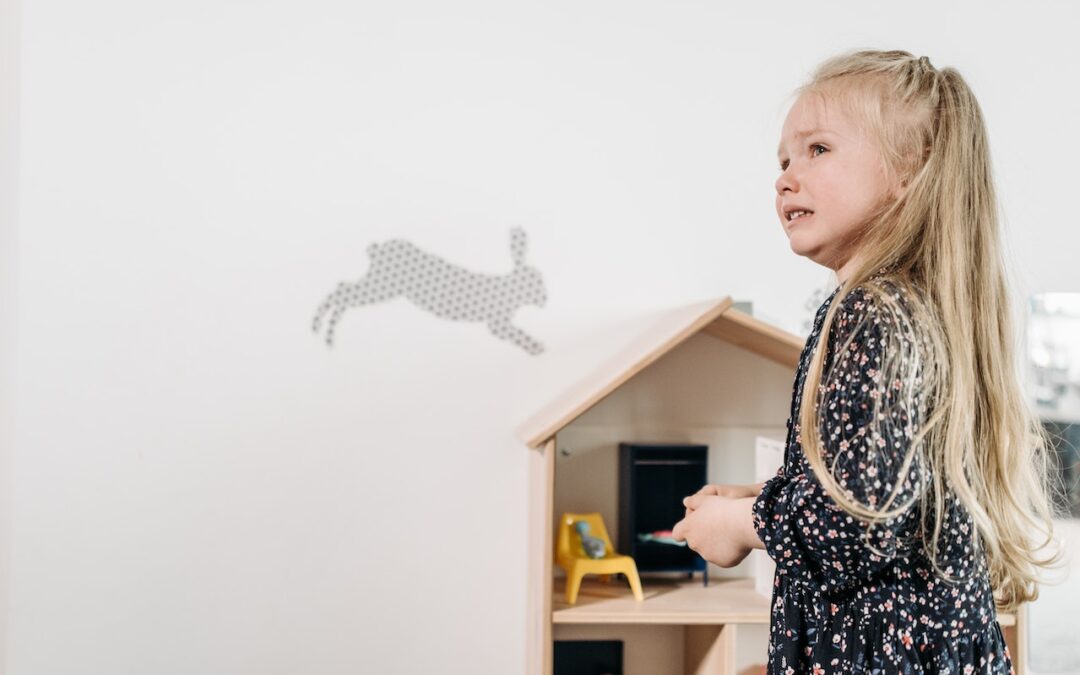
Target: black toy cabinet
[[653, 479]]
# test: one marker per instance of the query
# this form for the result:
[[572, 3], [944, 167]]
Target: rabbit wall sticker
[[817, 297], [399, 268]]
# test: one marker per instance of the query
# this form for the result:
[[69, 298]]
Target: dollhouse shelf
[[681, 602]]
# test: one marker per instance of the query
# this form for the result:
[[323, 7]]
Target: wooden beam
[[743, 330], [667, 331], [709, 650], [539, 647]]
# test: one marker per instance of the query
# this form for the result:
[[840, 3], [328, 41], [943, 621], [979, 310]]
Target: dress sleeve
[[804, 530]]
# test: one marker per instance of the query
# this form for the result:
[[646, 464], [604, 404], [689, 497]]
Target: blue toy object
[[594, 547]]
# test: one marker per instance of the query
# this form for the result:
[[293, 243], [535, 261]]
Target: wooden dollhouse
[[706, 373]]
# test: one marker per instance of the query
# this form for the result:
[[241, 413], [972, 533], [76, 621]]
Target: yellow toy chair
[[570, 556]]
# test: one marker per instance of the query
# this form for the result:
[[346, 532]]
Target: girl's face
[[830, 168]]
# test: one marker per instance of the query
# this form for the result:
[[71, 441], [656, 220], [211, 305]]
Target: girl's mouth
[[800, 216]]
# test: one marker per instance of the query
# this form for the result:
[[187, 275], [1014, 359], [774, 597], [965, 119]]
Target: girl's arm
[[804, 530], [744, 522]]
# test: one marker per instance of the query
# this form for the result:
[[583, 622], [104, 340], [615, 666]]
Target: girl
[[914, 484]]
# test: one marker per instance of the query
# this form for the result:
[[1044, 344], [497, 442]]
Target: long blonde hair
[[939, 243]]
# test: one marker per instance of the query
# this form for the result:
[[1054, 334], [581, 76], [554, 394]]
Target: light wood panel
[[669, 329], [680, 602], [743, 330], [1014, 629], [710, 650], [538, 643]]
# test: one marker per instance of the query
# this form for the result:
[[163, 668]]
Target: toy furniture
[[653, 479], [571, 557]]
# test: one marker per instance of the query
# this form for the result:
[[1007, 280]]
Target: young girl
[[914, 485]]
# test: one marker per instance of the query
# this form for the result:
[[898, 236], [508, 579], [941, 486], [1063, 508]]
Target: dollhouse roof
[[716, 317]]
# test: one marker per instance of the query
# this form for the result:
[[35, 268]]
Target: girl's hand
[[717, 528], [731, 491]]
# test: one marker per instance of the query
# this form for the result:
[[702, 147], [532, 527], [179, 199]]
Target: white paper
[[768, 458]]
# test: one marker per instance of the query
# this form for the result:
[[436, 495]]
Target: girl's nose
[[786, 182]]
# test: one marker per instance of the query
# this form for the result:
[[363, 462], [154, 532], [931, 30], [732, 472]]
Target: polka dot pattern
[[399, 268], [838, 604]]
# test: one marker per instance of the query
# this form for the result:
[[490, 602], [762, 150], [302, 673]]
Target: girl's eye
[[783, 165]]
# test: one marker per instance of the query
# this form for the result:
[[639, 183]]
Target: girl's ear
[[900, 187], [895, 178]]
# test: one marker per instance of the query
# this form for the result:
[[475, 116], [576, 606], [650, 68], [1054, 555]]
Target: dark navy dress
[[837, 606]]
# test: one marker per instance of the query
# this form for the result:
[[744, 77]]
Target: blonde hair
[[930, 262]]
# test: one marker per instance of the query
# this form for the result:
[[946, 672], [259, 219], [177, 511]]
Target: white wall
[[9, 206], [198, 484]]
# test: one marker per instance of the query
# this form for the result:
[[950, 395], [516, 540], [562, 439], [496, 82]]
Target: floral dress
[[837, 606]]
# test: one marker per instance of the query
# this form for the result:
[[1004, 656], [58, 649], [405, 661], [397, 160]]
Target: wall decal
[[813, 304], [398, 268]]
